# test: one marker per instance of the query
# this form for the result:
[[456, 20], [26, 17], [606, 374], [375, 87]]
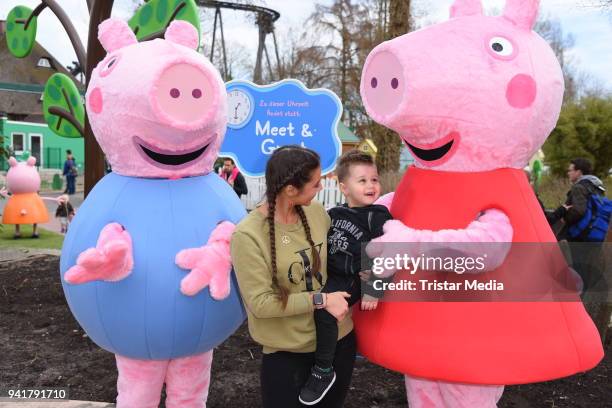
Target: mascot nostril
[[485, 93]]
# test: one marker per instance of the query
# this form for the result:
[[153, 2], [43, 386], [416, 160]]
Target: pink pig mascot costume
[[25, 205], [145, 265], [473, 98]]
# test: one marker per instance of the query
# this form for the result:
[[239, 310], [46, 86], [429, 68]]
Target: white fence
[[330, 196]]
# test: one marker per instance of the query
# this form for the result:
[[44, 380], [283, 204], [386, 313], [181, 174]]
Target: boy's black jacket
[[350, 229]]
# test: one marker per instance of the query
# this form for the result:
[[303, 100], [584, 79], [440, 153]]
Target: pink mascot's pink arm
[[490, 233], [111, 260], [210, 265]]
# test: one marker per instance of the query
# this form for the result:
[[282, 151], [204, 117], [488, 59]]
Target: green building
[[23, 139], [23, 131]]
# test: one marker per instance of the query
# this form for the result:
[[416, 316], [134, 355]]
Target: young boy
[[355, 223], [64, 211]]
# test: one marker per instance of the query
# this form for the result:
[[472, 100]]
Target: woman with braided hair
[[279, 252]]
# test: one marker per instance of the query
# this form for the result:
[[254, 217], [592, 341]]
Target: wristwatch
[[318, 300]]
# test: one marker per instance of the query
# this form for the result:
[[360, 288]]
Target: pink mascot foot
[[187, 379], [439, 394]]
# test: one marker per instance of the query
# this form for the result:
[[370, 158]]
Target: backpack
[[593, 226]]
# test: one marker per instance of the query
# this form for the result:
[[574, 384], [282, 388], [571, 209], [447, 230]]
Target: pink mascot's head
[[474, 93], [157, 108], [23, 177]]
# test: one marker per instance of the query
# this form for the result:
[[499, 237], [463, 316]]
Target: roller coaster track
[[273, 15], [265, 19]]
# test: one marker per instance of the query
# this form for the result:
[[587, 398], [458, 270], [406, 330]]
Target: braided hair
[[289, 165]]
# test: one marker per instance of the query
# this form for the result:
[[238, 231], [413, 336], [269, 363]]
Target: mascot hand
[[386, 200], [491, 234], [210, 265], [397, 240], [111, 260]]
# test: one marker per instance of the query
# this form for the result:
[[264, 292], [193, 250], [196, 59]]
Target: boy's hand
[[365, 275], [368, 303]]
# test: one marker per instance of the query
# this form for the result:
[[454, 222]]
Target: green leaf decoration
[[63, 107], [19, 40], [156, 15]]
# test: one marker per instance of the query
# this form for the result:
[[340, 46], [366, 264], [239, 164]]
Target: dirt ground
[[42, 345]]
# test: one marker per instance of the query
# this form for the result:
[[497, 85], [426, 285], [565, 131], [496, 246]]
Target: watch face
[[240, 108], [317, 298]]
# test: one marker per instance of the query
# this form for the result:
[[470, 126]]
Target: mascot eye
[[109, 66], [501, 46]]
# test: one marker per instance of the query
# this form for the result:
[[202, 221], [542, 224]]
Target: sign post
[[264, 118]]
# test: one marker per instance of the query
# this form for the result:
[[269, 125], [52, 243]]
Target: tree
[[389, 142], [584, 129], [561, 43], [354, 28], [62, 105]]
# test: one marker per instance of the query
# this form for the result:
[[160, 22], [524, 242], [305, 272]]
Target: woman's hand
[[337, 305]]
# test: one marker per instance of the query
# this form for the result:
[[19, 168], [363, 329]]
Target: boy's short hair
[[351, 158]]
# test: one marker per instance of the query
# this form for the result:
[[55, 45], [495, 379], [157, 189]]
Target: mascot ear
[[115, 34], [12, 161], [183, 33], [31, 161], [463, 8], [522, 13]]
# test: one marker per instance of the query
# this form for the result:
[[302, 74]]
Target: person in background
[[584, 184], [70, 172], [64, 211], [234, 178], [584, 254]]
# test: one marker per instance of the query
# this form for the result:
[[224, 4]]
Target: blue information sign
[[263, 118]]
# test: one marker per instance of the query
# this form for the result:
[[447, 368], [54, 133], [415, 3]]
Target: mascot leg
[[140, 382], [187, 381], [438, 394], [423, 393], [468, 395]]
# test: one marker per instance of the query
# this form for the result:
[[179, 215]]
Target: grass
[[47, 240]]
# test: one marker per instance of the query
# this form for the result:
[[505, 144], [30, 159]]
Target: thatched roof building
[[22, 81]]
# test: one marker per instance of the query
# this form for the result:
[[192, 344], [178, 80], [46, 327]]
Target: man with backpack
[[586, 217]]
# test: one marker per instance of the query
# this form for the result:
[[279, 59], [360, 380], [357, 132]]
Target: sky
[[590, 27]]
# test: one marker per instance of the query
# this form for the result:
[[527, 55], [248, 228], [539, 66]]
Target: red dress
[[478, 342]]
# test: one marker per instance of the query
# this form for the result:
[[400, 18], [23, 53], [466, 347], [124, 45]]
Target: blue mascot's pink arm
[[111, 260], [210, 265]]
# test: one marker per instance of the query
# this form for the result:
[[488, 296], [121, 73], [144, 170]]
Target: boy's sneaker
[[317, 386]]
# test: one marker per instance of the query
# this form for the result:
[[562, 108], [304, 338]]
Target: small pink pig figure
[[473, 99], [24, 206], [145, 265]]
